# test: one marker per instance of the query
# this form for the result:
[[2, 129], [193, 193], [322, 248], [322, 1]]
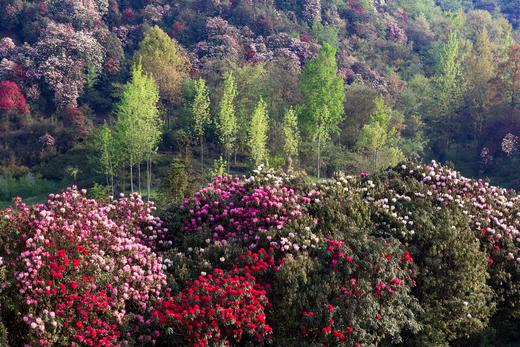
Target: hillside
[[443, 74]]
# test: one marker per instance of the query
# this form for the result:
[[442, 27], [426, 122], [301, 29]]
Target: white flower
[[222, 259]]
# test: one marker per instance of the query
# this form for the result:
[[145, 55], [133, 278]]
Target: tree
[[291, 134], [11, 98], [324, 95], [63, 57], [166, 61], [510, 78], [258, 130], [252, 79], [448, 93], [138, 127], [449, 77], [104, 143], [201, 113], [480, 70], [227, 122], [379, 140]]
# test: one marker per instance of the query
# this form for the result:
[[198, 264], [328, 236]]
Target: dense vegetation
[[417, 255], [320, 85], [336, 235]]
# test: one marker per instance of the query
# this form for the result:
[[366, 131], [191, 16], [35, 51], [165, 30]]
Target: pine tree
[[258, 133], [291, 134], [324, 93], [201, 113], [227, 122]]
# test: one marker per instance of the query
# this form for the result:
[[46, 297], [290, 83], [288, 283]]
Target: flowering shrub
[[80, 272], [463, 231], [12, 98], [221, 308], [268, 228], [231, 208]]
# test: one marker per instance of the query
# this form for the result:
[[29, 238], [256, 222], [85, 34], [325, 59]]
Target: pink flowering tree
[[63, 57]]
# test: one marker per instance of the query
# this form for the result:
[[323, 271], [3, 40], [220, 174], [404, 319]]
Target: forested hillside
[[328, 85]]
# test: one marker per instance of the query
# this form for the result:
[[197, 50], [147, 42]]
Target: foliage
[[291, 134], [227, 122], [258, 131], [379, 140], [166, 61]]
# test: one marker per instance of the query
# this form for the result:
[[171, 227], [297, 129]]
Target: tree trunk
[[227, 161], [139, 177], [202, 153], [112, 185], [319, 155], [149, 176], [131, 176]]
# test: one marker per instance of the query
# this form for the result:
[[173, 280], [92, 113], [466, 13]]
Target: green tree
[[379, 139], [324, 94], [166, 61], [138, 128], [227, 121], [104, 143], [291, 134], [449, 78], [448, 98], [258, 133], [480, 70], [201, 113], [252, 79]]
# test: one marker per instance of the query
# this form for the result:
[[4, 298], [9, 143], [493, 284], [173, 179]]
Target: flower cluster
[[240, 209], [221, 308], [12, 98], [81, 269]]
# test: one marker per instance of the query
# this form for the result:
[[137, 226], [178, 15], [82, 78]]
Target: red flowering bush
[[11, 98], [221, 308], [78, 272]]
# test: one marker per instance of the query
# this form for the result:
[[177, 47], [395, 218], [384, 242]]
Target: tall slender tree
[[201, 113], [291, 134], [227, 121], [324, 93], [479, 71], [104, 142], [138, 128], [258, 133]]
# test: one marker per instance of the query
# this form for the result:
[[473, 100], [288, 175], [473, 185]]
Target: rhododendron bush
[[80, 272], [416, 255], [357, 287]]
